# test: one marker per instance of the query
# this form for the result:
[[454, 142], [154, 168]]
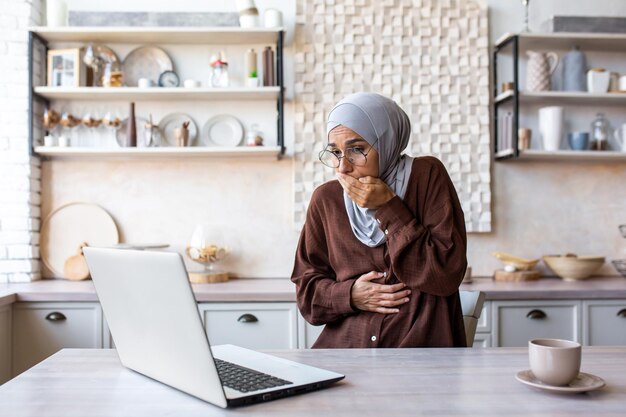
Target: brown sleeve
[[428, 255], [321, 299]]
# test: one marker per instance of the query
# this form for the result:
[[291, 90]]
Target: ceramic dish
[[145, 62], [572, 267], [141, 246], [222, 130], [173, 121], [516, 262], [64, 229], [582, 383], [142, 131]]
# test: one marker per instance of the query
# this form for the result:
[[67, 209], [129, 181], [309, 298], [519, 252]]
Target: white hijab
[[385, 126]]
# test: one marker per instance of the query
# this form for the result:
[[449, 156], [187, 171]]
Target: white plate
[[142, 131], [67, 227], [145, 62], [171, 122], [222, 130], [582, 383]]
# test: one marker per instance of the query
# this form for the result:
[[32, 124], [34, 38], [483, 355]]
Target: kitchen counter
[[379, 382], [277, 290]]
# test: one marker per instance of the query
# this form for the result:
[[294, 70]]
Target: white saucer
[[583, 382]]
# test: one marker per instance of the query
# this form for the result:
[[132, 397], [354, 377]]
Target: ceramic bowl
[[572, 267], [620, 265], [518, 263]]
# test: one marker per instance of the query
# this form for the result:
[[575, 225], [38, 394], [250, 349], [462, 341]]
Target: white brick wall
[[20, 174]]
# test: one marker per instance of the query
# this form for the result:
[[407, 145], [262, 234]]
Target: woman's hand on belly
[[378, 298]]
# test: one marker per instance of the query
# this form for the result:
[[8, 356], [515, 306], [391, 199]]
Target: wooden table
[[384, 382]]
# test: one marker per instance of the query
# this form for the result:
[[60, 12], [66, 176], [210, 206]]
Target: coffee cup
[[578, 141], [191, 84], [145, 83], [554, 361], [622, 83]]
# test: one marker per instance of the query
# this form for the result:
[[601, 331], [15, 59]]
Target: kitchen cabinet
[[5, 343], [41, 329], [602, 50], [516, 322], [251, 325], [604, 322]]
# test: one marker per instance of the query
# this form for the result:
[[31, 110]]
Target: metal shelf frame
[[36, 39]]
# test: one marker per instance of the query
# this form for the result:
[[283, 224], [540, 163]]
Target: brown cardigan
[[425, 249]]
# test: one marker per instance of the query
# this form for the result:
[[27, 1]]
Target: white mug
[[622, 83], [273, 18], [49, 140], [56, 13], [620, 136], [144, 83], [191, 83], [551, 127], [64, 141]]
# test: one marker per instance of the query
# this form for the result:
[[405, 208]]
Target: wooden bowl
[[572, 267]]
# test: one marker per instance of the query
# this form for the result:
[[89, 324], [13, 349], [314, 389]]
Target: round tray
[[65, 228]]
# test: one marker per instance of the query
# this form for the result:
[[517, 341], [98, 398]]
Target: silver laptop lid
[[154, 319]]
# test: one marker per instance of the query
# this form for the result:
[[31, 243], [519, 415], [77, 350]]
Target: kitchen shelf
[[258, 152], [614, 42], [159, 35], [565, 155], [564, 97], [157, 93], [514, 44]]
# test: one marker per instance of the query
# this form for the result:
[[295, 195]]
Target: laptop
[[155, 323]]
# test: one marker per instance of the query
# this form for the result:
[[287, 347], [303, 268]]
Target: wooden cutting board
[[502, 275]]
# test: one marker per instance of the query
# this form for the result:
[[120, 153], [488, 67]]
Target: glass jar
[[600, 133], [219, 74]]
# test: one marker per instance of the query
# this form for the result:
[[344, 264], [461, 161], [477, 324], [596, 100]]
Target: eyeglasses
[[355, 155]]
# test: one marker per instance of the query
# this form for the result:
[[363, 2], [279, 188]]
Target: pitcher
[[540, 67]]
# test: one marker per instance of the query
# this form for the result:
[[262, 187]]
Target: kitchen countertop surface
[[277, 290], [379, 382]]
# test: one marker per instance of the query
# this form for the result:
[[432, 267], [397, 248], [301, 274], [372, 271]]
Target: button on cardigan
[[425, 249]]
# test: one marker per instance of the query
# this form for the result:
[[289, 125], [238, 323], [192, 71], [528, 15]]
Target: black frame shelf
[[512, 99], [39, 38]]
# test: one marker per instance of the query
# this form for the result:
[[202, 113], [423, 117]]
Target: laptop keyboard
[[244, 379]]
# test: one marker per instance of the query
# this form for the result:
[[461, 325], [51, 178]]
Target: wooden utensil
[[502, 275], [75, 267]]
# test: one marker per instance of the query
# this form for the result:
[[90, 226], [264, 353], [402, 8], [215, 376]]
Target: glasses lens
[[329, 159], [356, 157]]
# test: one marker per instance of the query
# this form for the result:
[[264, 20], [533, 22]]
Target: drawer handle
[[247, 318], [536, 315], [622, 313], [56, 316]]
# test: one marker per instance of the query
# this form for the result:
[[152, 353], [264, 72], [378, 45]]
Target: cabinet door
[[41, 329], [604, 322], [482, 340], [5, 343], [251, 325], [516, 322]]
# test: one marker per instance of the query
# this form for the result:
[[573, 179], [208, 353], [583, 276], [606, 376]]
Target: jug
[[539, 69], [574, 71]]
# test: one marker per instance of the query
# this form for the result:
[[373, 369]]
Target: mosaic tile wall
[[430, 56]]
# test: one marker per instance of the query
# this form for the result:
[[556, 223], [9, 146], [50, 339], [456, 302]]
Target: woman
[[383, 249]]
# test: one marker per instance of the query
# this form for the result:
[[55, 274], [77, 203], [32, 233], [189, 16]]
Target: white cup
[[191, 83], [273, 18], [145, 83], [551, 127], [622, 83], [554, 361], [64, 142], [56, 13], [49, 140], [249, 21]]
